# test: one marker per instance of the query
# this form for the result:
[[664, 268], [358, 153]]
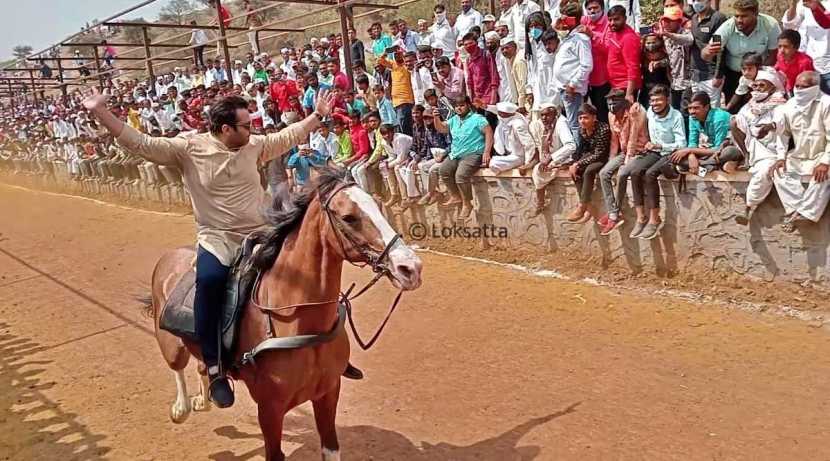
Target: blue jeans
[[824, 83], [211, 281], [404, 113], [572, 104]]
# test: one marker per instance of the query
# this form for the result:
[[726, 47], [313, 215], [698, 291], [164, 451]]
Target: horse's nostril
[[404, 270]]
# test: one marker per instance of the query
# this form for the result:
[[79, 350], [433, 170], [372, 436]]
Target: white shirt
[[421, 81], [326, 147], [563, 147], [573, 62], [443, 37], [165, 122], [517, 26], [507, 90], [815, 40], [809, 128], [465, 21], [198, 37], [183, 83], [749, 122], [512, 137], [541, 81], [237, 76], [398, 152]]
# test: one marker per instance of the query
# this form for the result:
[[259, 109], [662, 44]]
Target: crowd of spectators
[[582, 90]]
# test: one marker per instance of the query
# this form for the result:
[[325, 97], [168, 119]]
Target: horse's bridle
[[372, 257]]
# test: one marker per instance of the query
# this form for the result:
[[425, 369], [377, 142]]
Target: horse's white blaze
[[368, 206], [181, 407], [331, 455]]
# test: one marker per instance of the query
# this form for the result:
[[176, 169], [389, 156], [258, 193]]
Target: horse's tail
[[146, 300]]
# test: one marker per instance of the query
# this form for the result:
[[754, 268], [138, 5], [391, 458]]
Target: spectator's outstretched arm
[[164, 151], [278, 144]]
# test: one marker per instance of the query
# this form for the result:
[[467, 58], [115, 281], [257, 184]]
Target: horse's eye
[[350, 219]]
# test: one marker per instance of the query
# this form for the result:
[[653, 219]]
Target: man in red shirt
[[341, 81], [623, 45], [482, 76], [223, 12], [282, 89], [791, 62]]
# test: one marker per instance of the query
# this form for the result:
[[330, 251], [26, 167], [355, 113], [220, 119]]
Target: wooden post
[[60, 74], [345, 14], [97, 58], [493, 8], [146, 37], [224, 40], [34, 88], [11, 96]]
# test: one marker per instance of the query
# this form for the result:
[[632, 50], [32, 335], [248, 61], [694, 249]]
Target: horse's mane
[[284, 218]]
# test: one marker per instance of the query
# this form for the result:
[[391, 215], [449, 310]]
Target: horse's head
[[361, 233]]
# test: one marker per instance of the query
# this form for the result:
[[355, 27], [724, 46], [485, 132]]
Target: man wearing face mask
[[759, 151], [443, 35], [507, 91], [540, 54], [467, 18], [595, 26], [705, 22], [482, 76], [572, 64], [805, 119], [555, 147], [512, 141]]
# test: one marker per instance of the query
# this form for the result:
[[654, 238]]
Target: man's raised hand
[[325, 103], [95, 100]]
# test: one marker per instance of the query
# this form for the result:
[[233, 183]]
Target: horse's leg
[[201, 402], [181, 407], [270, 422], [325, 412]]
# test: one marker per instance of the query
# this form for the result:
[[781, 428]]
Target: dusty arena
[[483, 362]]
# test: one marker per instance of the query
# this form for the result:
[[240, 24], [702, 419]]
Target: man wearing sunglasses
[[219, 169]]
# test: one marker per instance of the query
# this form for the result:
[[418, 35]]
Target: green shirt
[[467, 135], [715, 129], [379, 150], [344, 143], [763, 39]]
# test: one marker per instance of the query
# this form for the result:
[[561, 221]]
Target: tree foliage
[[176, 11], [21, 51]]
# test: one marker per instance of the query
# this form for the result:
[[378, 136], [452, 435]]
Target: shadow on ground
[[31, 425], [369, 442]]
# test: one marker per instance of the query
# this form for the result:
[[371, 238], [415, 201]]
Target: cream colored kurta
[[809, 127], [224, 185]]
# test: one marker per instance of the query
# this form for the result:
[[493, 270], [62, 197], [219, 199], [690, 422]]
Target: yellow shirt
[[224, 185], [401, 83]]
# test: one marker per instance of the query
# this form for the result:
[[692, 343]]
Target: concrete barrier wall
[[700, 232]]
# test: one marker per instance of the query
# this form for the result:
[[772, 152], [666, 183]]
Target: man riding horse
[[219, 169]]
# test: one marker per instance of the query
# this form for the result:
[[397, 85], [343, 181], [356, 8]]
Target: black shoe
[[220, 391], [352, 372]]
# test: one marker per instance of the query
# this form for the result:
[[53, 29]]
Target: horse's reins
[[375, 261]]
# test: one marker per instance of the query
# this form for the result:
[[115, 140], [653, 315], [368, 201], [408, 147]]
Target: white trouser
[[252, 39], [408, 177], [809, 202], [360, 175], [760, 183], [707, 87], [429, 174], [502, 163]]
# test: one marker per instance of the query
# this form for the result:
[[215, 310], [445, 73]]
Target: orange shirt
[[401, 83]]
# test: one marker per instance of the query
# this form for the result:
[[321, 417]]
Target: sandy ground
[[481, 363]]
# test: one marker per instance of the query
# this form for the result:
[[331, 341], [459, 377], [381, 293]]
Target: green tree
[[176, 11], [21, 51]]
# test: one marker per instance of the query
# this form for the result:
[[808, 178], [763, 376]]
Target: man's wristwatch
[[317, 114]]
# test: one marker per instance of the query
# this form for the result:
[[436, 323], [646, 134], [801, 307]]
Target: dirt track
[[480, 363]]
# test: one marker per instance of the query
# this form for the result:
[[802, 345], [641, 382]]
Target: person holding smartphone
[[705, 77]]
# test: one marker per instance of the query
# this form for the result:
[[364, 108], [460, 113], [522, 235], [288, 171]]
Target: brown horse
[[301, 264]]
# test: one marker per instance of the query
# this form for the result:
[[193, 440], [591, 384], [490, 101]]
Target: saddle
[[177, 316]]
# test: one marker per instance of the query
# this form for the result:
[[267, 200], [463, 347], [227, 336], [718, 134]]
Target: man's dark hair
[[587, 109], [439, 7], [701, 97], [746, 5], [410, 54], [549, 35], [753, 59], [387, 128], [223, 112], [430, 92], [598, 2], [443, 61], [792, 36], [358, 63], [424, 49], [362, 79], [619, 10], [469, 36], [659, 90], [417, 108]]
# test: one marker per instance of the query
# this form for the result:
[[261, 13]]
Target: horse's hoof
[[199, 403], [179, 411], [331, 455]]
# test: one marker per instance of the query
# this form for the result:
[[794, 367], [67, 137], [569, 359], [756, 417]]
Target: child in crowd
[[344, 142], [791, 62], [387, 112], [750, 64], [302, 161]]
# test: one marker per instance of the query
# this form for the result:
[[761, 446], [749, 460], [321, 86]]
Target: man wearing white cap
[[806, 120], [488, 24], [424, 33], [237, 72], [555, 147], [507, 89], [759, 151], [512, 141]]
